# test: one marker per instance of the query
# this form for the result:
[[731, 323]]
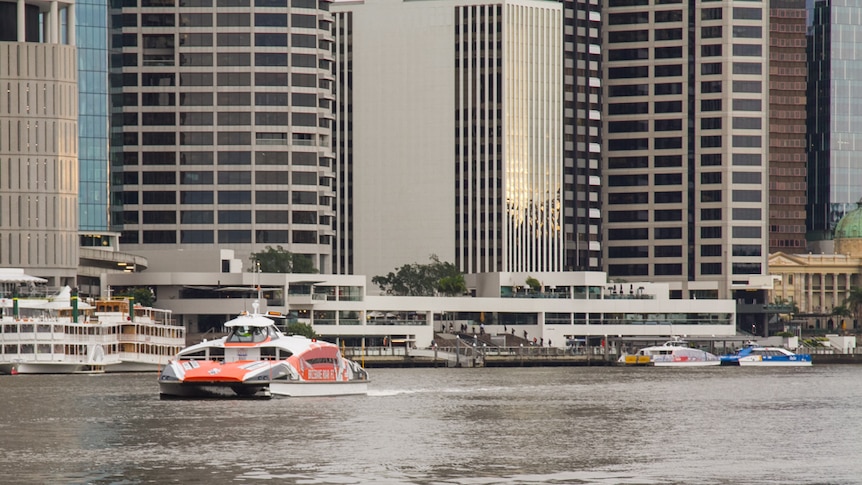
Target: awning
[[16, 275]]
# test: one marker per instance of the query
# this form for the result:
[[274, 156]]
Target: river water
[[569, 425]]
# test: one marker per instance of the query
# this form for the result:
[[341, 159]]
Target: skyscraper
[[226, 123], [449, 134], [787, 119], [685, 161], [582, 134], [39, 142], [834, 121], [93, 112]]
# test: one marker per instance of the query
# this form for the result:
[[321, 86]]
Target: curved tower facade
[[39, 139], [225, 128]]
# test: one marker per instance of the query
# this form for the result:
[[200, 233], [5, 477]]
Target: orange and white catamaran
[[256, 359]]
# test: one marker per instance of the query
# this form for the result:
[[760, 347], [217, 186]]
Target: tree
[[533, 283], [304, 329], [423, 279], [853, 301], [279, 260], [142, 295]]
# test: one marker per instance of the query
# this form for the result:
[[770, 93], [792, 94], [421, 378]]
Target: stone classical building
[[818, 283]]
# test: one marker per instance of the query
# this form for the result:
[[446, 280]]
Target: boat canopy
[[250, 321]]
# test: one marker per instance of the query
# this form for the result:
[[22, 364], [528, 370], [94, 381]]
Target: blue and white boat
[[756, 355]]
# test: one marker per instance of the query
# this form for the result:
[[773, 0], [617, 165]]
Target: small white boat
[[756, 355], [673, 353], [256, 360]]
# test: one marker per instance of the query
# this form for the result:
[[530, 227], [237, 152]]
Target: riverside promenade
[[467, 350], [474, 350]]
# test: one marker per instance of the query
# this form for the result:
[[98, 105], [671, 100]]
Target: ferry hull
[[701, 363], [318, 389], [40, 368], [774, 363], [198, 390]]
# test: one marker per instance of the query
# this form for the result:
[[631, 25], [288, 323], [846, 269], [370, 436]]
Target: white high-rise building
[[449, 135]]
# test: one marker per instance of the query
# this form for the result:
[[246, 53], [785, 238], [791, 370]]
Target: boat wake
[[451, 390]]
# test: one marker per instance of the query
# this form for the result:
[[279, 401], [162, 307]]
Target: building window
[[160, 217], [667, 269], [710, 124], [746, 232], [710, 178], [196, 237], [187, 197], [746, 214], [234, 236], [710, 196], [628, 252], [628, 198], [628, 234], [196, 158], [673, 215], [234, 197], [711, 32], [710, 250], [667, 89], [710, 68], [160, 237], [747, 196], [667, 125], [710, 232], [746, 105], [160, 197], [628, 270], [272, 197], [754, 68], [745, 141], [710, 268], [746, 268], [196, 217], [749, 50], [668, 34], [710, 214], [662, 161], [668, 197], [271, 236], [668, 71], [668, 251], [629, 108], [668, 232], [305, 237]]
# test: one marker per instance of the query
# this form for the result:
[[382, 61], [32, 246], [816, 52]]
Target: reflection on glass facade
[[512, 160], [92, 42], [834, 114]]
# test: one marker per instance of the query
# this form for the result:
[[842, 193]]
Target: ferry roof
[[250, 321]]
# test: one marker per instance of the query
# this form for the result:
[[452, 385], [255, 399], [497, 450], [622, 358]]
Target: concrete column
[[835, 281], [53, 27], [804, 305], [823, 291], [809, 289], [22, 22], [71, 25]]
